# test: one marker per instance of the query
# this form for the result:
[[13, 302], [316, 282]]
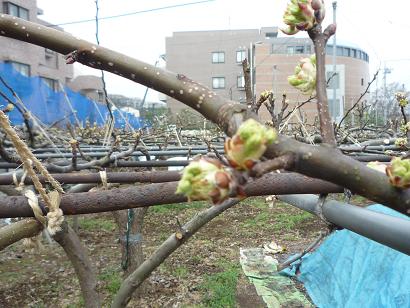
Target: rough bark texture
[[19, 230], [132, 256], [326, 126], [134, 280], [156, 194], [225, 113], [78, 256]]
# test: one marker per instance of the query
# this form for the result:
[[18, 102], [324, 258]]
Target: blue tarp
[[349, 270], [50, 106]]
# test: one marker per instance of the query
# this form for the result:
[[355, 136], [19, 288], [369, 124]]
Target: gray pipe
[[391, 231]]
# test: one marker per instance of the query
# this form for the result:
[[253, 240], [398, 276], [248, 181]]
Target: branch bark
[[19, 230], [78, 256], [164, 193], [311, 160], [326, 126], [134, 280]]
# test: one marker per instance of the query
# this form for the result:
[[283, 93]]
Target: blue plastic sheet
[[349, 270], [50, 106]]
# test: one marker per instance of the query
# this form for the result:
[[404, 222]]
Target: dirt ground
[[205, 272]]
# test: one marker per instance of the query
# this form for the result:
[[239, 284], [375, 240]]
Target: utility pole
[[386, 71], [333, 106]]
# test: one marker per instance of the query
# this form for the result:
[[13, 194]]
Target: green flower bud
[[405, 127], [299, 15], [401, 142], [399, 172], [305, 75], [248, 144], [265, 94], [402, 99], [205, 179]]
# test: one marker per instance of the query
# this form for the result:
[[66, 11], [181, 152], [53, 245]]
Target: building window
[[218, 57], [346, 52], [218, 82], [240, 56], [15, 10], [270, 35], [100, 96], [49, 52], [339, 51], [362, 81], [23, 69], [335, 80], [354, 53], [334, 107], [308, 49], [240, 82], [291, 50], [51, 83]]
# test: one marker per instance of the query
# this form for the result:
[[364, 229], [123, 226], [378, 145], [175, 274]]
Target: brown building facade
[[28, 59], [275, 61], [213, 58]]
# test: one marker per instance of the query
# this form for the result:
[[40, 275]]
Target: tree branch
[[320, 162]]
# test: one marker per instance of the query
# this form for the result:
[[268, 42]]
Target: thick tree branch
[[164, 193], [326, 127], [130, 284], [19, 230], [320, 162]]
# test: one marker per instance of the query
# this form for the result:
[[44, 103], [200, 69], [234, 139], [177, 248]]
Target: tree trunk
[[131, 240], [78, 256]]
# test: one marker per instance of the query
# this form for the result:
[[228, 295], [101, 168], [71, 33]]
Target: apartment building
[[214, 59], [28, 59]]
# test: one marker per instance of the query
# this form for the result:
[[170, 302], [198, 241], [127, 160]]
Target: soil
[[45, 278]]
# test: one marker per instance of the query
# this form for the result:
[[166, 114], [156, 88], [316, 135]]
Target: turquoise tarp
[[349, 270]]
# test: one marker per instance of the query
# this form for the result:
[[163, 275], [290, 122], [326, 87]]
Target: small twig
[[357, 102], [298, 256], [285, 161], [25, 115], [248, 87]]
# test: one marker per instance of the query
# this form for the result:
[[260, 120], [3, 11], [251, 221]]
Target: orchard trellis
[[322, 168]]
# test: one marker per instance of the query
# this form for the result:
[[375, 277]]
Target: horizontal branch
[[19, 230], [315, 161], [164, 193], [112, 177]]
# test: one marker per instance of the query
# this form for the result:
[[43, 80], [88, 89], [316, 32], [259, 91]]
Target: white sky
[[378, 27]]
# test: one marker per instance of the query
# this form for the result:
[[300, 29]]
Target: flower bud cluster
[[249, 143], [304, 78], [208, 179], [399, 172], [205, 179], [302, 15], [401, 142], [401, 99]]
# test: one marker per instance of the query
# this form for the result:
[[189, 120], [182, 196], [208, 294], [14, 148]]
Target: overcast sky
[[378, 27]]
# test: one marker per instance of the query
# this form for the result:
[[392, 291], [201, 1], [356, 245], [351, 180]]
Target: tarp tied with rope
[[51, 107]]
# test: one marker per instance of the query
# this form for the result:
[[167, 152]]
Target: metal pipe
[[89, 148], [175, 163], [164, 193], [112, 177], [136, 153], [120, 163], [387, 230]]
